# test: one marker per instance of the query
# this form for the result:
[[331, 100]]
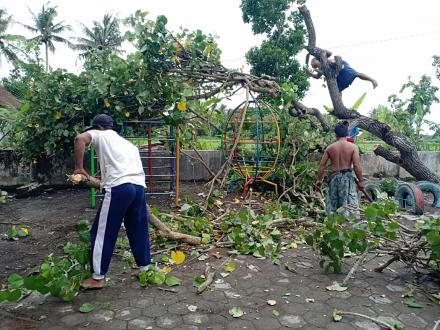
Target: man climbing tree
[[344, 157], [345, 77]]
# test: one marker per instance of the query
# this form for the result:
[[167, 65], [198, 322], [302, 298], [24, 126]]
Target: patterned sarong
[[342, 192]]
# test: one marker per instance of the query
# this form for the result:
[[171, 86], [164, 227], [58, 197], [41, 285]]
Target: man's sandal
[[92, 284]]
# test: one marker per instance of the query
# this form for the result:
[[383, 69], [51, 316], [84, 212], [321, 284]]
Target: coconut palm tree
[[103, 35], [48, 31], [7, 47]]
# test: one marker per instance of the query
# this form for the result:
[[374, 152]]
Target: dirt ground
[[51, 217]]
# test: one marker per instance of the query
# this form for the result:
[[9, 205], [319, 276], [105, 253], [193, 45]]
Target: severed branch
[[209, 277], [379, 322], [389, 155], [162, 229], [303, 112], [356, 265], [409, 158], [205, 120], [386, 264], [223, 79], [226, 165]]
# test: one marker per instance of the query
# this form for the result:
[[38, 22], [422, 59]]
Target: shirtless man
[[343, 156], [345, 77]]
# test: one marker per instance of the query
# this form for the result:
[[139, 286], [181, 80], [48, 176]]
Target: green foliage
[[276, 56], [47, 30], [14, 233], [86, 308], [265, 14], [253, 234], [388, 185], [154, 275], [430, 231], [407, 116], [57, 105], [8, 42], [191, 222], [59, 276], [105, 36], [303, 146], [340, 234], [50, 117]]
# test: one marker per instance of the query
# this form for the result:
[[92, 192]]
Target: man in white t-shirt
[[123, 184]]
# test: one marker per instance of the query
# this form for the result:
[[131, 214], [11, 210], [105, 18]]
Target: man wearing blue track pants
[[123, 184]]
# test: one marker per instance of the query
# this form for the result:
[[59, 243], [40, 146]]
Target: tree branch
[[390, 156], [303, 111]]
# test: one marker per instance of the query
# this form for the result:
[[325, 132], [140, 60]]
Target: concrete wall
[[13, 174], [372, 164]]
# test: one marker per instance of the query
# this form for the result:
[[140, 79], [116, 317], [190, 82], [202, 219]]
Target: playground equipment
[[409, 196], [257, 145], [432, 188], [160, 154]]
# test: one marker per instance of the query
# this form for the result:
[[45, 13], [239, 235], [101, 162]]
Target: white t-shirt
[[118, 158]]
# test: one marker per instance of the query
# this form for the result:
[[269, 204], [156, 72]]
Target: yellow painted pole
[[177, 166]]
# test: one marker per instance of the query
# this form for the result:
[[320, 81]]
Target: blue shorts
[[346, 76]]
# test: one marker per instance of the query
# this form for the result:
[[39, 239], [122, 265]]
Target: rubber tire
[[372, 189], [432, 188], [408, 194]]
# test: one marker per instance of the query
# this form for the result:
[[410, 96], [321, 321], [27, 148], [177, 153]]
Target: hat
[[355, 131], [342, 129], [102, 120]]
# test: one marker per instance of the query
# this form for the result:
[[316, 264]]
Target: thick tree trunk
[[407, 156], [47, 57]]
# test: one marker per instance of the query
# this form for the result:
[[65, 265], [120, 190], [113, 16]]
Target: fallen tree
[[406, 155]]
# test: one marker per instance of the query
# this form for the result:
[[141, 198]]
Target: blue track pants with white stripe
[[127, 203]]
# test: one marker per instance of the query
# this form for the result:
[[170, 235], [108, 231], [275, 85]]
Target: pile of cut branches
[[379, 232]]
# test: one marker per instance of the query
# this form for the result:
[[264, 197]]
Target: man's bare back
[[343, 155]]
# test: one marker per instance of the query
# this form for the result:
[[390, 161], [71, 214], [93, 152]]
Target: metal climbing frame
[[160, 154], [258, 146]]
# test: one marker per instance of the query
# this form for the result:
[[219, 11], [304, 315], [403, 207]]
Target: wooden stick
[[355, 267], [166, 289], [386, 264], [209, 277], [381, 323]]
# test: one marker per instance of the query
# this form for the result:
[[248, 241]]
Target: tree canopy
[[47, 30], [102, 36]]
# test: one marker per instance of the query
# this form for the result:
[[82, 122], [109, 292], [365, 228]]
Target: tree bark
[[407, 157], [47, 57], [303, 112]]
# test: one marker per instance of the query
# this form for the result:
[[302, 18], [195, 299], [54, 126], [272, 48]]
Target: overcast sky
[[388, 40]]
